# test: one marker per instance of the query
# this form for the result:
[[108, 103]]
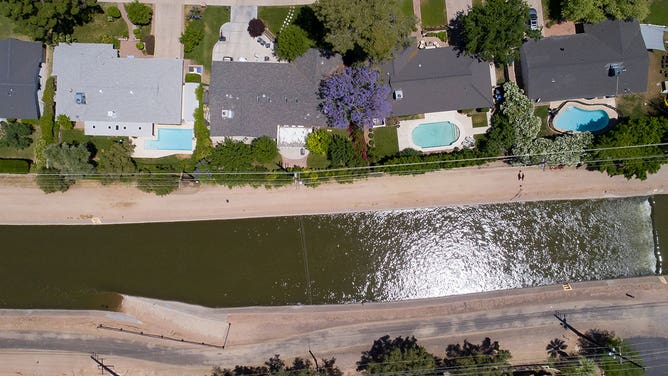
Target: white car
[[533, 19]]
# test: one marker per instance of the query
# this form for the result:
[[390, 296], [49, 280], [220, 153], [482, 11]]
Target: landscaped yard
[[479, 120], [77, 136], [7, 27], [100, 29], [273, 17], [658, 13], [318, 161], [433, 13], [385, 141], [650, 102], [543, 112], [27, 153], [214, 17], [407, 7]]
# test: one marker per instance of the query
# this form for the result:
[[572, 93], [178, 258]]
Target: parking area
[[236, 44], [538, 6]]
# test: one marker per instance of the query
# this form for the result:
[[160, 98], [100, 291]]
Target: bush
[[64, 122], [192, 35], [193, 77], [255, 27], [292, 42], [14, 166], [114, 12], [264, 149], [15, 135], [49, 180], [117, 43], [149, 44], [138, 13], [341, 151], [140, 46], [203, 146], [46, 120], [318, 141], [136, 32]]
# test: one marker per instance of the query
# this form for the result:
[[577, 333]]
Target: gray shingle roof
[[577, 66], [262, 96], [19, 78], [437, 79], [116, 89]]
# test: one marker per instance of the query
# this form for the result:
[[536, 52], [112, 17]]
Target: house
[[250, 99], [607, 59], [19, 78], [115, 96], [436, 80]]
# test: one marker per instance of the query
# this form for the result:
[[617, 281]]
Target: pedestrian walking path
[[124, 16]]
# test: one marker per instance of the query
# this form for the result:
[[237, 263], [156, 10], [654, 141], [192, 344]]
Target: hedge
[[193, 77], [14, 166], [46, 121]]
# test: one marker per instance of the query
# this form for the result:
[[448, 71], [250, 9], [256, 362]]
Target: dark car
[[533, 19]]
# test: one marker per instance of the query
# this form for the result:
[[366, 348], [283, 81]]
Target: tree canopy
[[15, 135], [115, 161], [139, 13], [69, 159], [354, 96], [633, 162], [598, 10], [396, 356], [494, 30], [255, 27], [192, 35], [292, 43], [264, 149], [42, 19], [275, 366], [486, 359], [375, 28]]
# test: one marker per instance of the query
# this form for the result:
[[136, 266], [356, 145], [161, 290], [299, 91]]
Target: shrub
[[264, 149], [193, 77], [64, 122], [292, 42], [140, 46], [341, 151], [255, 27], [46, 120], [318, 141], [14, 166], [117, 43], [136, 32], [138, 13], [15, 135], [49, 180], [192, 35], [149, 44], [114, 12]]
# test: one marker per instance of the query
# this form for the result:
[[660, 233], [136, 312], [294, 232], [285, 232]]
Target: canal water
[[375, 256]]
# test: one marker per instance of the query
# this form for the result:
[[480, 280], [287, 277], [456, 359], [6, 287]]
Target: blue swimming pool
[[432, 135], [171, 139], [573, 118]]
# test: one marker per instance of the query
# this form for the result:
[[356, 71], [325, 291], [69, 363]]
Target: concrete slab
[[168, 19], [238, 44]]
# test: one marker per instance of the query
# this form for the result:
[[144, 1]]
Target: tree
[[275, 366], [255, 27], [599, 348], [231, 155], [292, 43], [396, 356], [160, 183], [556, 349], [70, 160], [577, 367], [114, 12], [43, 19], [354, 97], [116, 161], [50, 180], [374, 27], [633, 161], [486, 359], [341, 151], [599, 10], [139, 14], [494, 30], [64, 122], [264, 149], [15, 135], [192, 35], [318, 141]]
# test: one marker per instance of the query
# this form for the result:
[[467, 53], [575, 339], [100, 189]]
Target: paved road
[[522, 320]]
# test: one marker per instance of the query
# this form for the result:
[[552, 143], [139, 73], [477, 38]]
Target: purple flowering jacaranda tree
[[354, 97]]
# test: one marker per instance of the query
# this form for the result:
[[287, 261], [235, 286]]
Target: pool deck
[[462, 121], [140, 142], [601, 103]]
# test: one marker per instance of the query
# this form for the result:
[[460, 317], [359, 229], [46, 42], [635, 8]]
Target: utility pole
[[611, 350], [103, 367]]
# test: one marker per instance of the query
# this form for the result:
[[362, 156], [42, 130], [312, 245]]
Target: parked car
[[533, 19]]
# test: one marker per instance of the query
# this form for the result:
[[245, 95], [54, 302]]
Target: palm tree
[[556, 349]]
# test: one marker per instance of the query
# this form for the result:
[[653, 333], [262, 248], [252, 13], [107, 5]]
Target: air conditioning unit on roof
[[398, 94]]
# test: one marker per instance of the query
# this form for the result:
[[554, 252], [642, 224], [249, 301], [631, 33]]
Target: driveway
[[238, 43], [538, 6], [168, 21]]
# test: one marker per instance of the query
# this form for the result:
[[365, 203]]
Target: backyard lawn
[[77, 136], [479, 120], [27, 153], [650, 102], [658, 13], [7, 27], [100, 30], [407, 7], [433, 13], [385, 141], [542, 112], [214, 17], [273, 17]]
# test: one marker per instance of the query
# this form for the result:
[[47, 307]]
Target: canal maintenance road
[[45, 342]]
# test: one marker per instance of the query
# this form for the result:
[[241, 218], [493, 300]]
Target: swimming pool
[[573, 118], [431, 135], [171, 139]]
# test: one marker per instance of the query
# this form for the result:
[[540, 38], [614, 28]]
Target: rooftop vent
[[398, 94], [227, 114], [111, 114], [80, 98]]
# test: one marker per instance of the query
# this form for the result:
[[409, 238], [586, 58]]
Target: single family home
[[20, 65]]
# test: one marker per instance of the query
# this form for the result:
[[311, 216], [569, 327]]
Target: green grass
[[100, 29], [27, 153], [214, 17], [170, 163], [7, 29], [433, 13], [631, 106], [317, 161], [442, 35], [658, 13], [385, 141], [273, 17], [406, 7], [542, 112], [479, 120], [77, 136]]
